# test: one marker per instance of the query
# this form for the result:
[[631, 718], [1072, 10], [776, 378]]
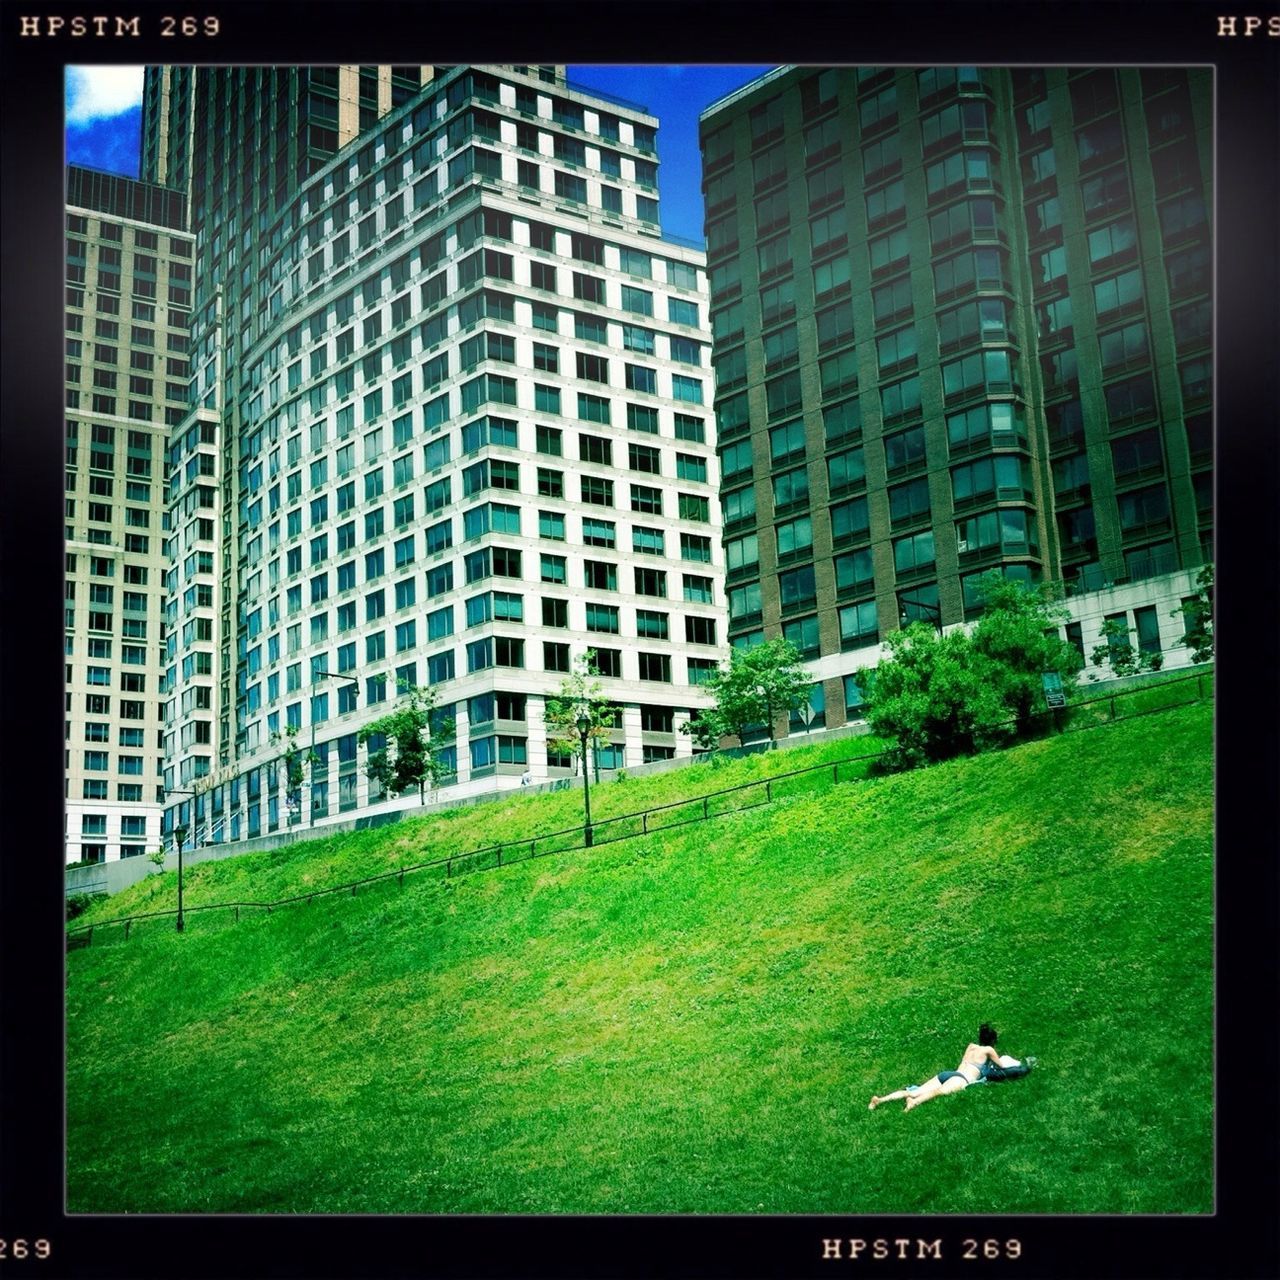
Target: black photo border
[[1240, 1237]]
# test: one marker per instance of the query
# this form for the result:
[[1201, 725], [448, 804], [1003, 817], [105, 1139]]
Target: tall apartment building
[[962, 322], [128, 302], [451, 427]]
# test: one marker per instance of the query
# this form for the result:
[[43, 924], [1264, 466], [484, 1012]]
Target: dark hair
[[987, 1034]]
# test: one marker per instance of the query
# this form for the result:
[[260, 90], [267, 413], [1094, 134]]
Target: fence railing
[[1088, 714]]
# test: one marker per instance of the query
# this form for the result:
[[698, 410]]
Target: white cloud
[[100, 93]]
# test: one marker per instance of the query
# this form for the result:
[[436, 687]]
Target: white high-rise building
[[128, 303], [453, 428]]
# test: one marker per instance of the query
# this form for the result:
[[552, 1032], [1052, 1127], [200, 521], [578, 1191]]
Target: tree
[[760, 683], [580, 691], [934, 695], [293, 760], [1117, 649], [1197, 617], [1018, 635], [945, 695], [414, 740]]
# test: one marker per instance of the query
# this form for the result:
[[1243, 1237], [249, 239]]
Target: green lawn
[[691, 1021]]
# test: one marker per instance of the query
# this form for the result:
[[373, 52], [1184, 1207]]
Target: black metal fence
[[1088, 714]]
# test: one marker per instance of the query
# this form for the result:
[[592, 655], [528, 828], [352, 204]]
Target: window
[[1143, 509], [602, 618], [832, 276], [905, 449], [647, 499], [642, 418], [1136, 455], [694, 546], [742, 553], [599, 575], [1113, 242], [850, 521], [914, 552], [555, 656], [1123, 348], [598, 533], [656, 667], [645, 541], [639, 378], [1008, 530], [593, 408], [909, 502], [642, 457], [685, 350], [795, 537]]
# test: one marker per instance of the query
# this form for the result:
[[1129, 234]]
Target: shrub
[[79, 903], [944, 695]]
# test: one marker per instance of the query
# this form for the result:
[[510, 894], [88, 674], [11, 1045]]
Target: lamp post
[[584, 728], [931, 609], [351, 680], [180, 835]]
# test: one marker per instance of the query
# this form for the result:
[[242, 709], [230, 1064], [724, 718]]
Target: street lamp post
[[932, 609], [351, 680], [584, 727], [179, 836]]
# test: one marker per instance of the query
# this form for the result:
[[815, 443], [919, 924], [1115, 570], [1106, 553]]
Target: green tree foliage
[[1018, 636], [1119, 651], [944, 695], [759, 684], [292, 762], [580, 691], [1197, 617], [415, 737]]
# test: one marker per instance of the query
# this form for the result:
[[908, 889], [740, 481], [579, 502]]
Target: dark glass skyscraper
[[962, 322]]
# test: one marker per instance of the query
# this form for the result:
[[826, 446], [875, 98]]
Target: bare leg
[[934, 1088], [909, 1092], [877, 1099]]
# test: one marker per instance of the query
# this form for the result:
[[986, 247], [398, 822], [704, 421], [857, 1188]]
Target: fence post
[[644, 822], [704, 806], [499, 855], [835, 772], [1199, 685], [402, 877], [768, 790], [127, 925]]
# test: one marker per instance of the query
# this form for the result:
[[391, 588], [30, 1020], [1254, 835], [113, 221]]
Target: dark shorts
[[944, 1076]]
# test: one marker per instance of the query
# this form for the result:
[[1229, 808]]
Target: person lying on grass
[[980, 1063]]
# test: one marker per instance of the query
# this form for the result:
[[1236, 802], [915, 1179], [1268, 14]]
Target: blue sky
[[104, 111]]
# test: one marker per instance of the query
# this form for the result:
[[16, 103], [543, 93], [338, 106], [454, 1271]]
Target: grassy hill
[[691, 1021]]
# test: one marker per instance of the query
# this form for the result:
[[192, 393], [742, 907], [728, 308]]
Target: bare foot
[[911, 1102], [873, 1104]]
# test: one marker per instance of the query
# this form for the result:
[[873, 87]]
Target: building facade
[[451, 427], [128, 304], [962, 322]]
